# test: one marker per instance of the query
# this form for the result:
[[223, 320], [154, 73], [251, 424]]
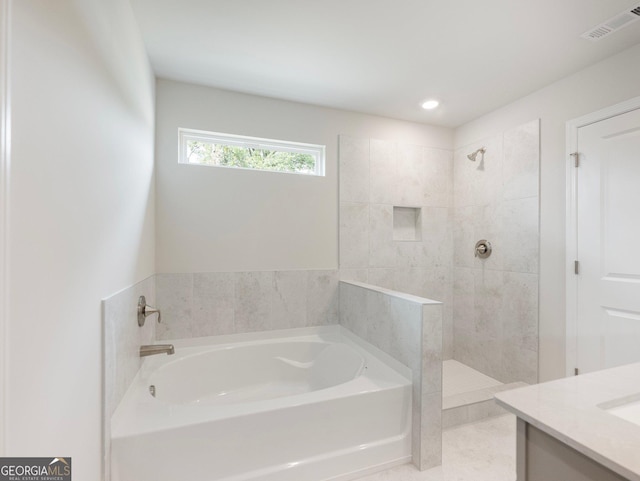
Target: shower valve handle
[[483, 249]]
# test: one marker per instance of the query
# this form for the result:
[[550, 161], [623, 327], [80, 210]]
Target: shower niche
[[407, 224]]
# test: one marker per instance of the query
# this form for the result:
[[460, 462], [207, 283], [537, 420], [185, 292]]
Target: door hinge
[[576, 371], [576, 267], [576, 158]]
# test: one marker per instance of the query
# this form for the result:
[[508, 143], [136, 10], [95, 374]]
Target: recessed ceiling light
[[430, 104]]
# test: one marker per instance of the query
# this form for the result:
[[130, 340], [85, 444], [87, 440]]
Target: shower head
[[473, 155]]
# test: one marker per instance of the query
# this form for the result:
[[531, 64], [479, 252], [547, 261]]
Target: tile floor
[[482, 451]]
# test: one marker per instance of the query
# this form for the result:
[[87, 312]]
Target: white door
[[608, 243]]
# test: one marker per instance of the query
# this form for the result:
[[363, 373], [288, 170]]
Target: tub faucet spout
[[152, 349]]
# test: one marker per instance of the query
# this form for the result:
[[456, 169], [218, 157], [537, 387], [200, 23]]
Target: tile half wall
[[408, 328]]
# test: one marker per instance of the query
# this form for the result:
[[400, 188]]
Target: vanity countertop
[[574, 411]]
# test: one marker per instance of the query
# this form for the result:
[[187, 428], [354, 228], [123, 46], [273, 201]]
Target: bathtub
[[308, 405]]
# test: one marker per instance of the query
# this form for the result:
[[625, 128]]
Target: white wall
[[215, 219], [81, 213], [5, 12], [610, 81]]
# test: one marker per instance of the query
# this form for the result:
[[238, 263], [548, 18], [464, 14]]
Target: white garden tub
[[310, 405]]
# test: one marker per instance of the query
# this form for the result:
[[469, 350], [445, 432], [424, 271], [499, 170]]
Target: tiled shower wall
[[217, 303], [495, 300], [376, 176]]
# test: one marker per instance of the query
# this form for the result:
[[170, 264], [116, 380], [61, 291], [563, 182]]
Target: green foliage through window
[[199, 152]]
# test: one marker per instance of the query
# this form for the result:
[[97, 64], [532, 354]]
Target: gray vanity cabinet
[[541, 457]]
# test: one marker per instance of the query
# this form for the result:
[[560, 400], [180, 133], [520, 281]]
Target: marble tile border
[[408, 328], [220, 303]]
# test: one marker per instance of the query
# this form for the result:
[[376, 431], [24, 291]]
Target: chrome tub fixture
[[153, 349], [145, 310]]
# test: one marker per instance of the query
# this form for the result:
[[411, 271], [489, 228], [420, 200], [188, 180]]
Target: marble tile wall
[[217, 303], [122, 339], [495, 313], [375, 176], [409, 329]]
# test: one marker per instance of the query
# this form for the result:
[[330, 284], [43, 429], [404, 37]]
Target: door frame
[[5, 150], [571, 251]]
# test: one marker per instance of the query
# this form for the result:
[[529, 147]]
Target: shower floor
[[467, 394], [458, 378]]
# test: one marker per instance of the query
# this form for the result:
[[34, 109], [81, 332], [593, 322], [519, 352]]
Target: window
[[224, 150]]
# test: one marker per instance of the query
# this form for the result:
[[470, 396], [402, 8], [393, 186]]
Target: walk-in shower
[[477, 250]]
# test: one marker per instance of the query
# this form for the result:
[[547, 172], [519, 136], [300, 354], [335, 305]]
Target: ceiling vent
[[613, 24]]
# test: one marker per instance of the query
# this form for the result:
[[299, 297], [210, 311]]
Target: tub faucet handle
[[144, 310]]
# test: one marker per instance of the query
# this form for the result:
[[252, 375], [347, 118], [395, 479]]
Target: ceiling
[[380, 57]]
